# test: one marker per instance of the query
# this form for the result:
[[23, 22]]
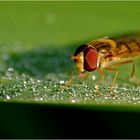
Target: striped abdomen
[[128, 46], [113, 51]]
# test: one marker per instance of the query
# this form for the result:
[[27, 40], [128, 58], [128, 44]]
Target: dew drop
[[33, 89], [133, 98], [7, 97], [96, 88], [17, 93], [115, 90], [85, 86], [93, 77], [62, 82], [31, 80], [10, 69], [124, 89], [73, 101], [38, 81]]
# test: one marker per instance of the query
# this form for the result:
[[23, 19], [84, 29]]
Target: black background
[[19, 120]]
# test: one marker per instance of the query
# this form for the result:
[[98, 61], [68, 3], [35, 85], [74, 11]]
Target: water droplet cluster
[[33, 89], [24, 79]]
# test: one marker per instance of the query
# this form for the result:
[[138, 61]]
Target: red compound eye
[[90, 59]]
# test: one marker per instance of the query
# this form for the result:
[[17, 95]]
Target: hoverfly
[[106, 53]]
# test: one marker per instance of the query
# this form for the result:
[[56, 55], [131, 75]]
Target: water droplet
[[124, 89], [62, 82], [38, 81], [85, 86], [10, 69], [96, 87], [73, 101], [133, 98], [138, 101], [7, 97], [85, 98], [33, 89], [115, 91], [93, 77], [17, 93], [31, 80]]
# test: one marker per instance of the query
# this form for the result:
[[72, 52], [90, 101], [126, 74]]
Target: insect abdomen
[[129, 46]]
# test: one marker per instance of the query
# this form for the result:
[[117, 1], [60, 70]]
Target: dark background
[[52, 121]]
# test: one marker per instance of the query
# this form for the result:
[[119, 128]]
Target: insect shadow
[[42, 61]]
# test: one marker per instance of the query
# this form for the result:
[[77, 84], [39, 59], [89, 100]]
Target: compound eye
[[90, 59], [80, 49]]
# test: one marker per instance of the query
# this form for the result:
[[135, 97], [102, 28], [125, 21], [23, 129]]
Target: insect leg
[[122, 63], [102, 76], [69, 82], [116, 74], [116, 70], [133, 77], [133, 70], [70, 78]]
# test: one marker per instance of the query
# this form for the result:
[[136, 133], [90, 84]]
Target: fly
[[106, 53]]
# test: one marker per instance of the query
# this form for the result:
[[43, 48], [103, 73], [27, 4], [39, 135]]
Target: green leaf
[[37, 40]]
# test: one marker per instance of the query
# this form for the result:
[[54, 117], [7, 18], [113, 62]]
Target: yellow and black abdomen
[[119, 50], [128, 46]]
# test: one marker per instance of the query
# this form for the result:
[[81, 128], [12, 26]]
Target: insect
[[107, 53]]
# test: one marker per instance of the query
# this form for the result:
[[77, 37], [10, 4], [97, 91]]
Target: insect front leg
[[102, 77], [133, 77], [69, 82], [116, 74]]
